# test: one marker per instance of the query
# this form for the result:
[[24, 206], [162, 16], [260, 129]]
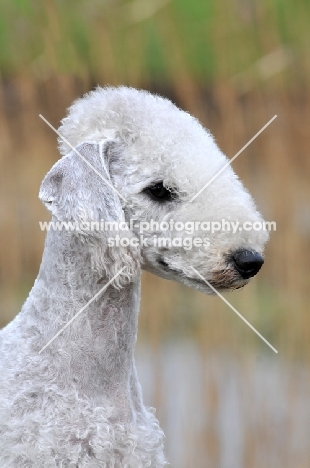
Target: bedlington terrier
[[138, 166]]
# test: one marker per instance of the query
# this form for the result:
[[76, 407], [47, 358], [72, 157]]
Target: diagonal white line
[[235, 310], [232, 159], [81, 310], [82, 157]]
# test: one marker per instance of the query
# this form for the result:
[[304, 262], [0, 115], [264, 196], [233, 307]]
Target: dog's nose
[[247, 262]]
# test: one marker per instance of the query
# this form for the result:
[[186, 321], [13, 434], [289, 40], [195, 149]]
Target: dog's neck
[[95, 352]]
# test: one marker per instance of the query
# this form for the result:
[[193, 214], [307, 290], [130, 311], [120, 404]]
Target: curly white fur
[[79, 403]]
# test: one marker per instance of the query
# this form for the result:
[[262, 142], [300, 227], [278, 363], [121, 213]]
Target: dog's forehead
[[158, 140], [186, 163]]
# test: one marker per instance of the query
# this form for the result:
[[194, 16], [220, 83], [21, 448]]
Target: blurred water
[[225, 412]]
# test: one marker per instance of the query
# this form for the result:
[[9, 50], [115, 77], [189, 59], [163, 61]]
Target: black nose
[[247, 262]]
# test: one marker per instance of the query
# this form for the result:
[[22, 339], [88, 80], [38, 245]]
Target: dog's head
[[164, 176]]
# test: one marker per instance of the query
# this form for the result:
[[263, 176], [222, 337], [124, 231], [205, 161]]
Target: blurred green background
[[233, 64]]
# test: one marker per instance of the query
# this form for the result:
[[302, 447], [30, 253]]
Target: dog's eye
[[160, 192]]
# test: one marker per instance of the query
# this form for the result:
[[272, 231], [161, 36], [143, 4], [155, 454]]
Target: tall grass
[[142, 41]]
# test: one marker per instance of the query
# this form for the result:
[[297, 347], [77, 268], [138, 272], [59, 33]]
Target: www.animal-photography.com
[[155, 230]]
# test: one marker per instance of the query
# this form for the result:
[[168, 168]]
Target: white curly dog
[[141, 160]]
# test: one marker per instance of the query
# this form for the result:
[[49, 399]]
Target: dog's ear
[[78, 190]]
